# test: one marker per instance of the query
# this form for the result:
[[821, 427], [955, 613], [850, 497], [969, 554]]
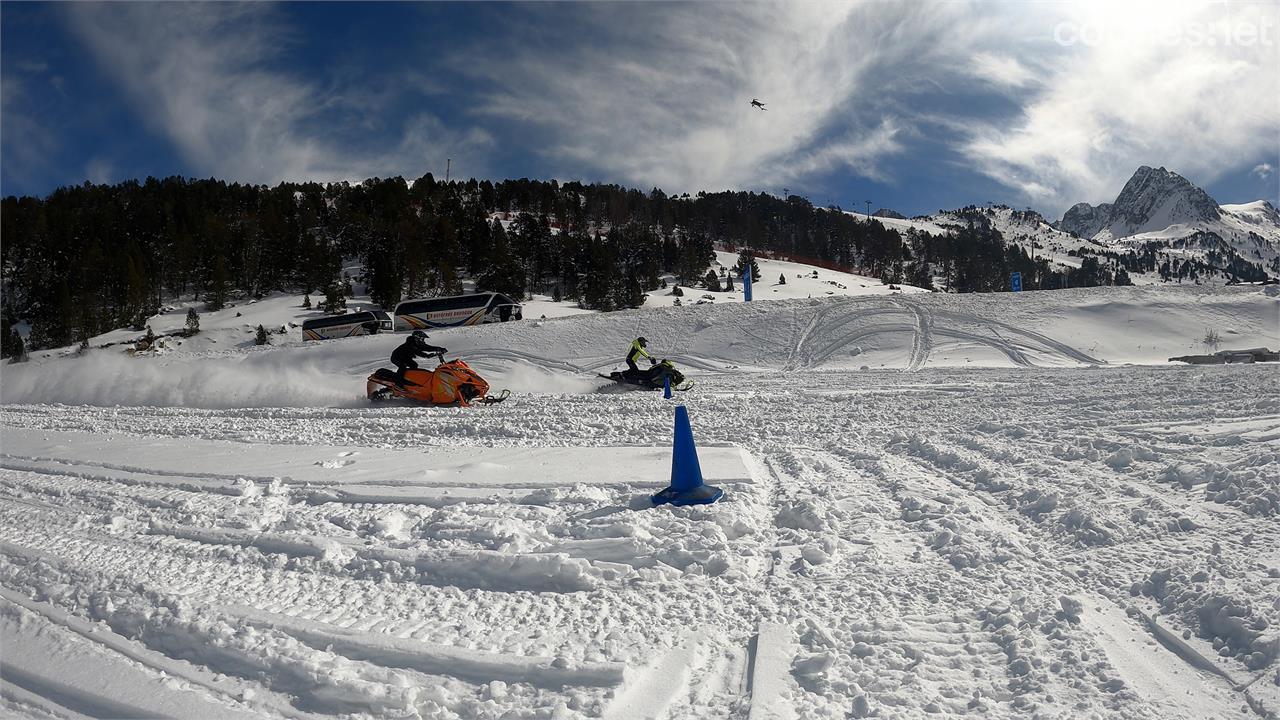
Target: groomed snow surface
[[1023, 525]]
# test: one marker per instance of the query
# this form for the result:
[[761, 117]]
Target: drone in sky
[[757, 103]]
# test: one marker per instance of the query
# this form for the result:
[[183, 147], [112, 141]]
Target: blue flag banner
[[1015, 282]]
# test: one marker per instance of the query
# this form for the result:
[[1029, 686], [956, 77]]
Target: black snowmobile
[[651, 379]]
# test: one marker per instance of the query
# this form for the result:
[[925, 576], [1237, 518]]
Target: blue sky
[[911, 105]]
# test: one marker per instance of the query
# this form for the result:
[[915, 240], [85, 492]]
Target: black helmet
[[418, 335], [642, 341]]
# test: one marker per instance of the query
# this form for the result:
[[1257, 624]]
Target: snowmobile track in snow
[[915, 541], [839, 327], [922, 342]]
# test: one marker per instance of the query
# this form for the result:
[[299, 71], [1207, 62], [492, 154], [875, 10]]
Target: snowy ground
[[234, 326], [802, 281], [1023, 526]]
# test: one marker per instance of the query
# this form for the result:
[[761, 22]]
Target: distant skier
[[638, 349], [757, 103], [414, 346]]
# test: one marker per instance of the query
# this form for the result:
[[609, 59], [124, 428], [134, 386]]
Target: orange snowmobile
[[453, 382]]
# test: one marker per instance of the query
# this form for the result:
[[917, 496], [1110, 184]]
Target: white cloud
[[203, 75], [1001, 70], [859, 152], [1090, 91], [1262, 171], [1059, 102], [1177, 85], [662, 97]]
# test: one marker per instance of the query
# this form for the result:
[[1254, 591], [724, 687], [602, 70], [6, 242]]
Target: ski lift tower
[[1032, 240], [868, 211]]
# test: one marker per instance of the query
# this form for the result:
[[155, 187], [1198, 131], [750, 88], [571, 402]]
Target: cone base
[[701, 495]]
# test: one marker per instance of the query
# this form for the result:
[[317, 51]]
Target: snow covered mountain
[[1153, 199], [1161, 227], [1162, 210]]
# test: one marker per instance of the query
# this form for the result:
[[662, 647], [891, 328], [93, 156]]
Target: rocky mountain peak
[[1153, 199]]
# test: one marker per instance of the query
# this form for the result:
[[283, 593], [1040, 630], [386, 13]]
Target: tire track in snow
[[79, 500], [221, 686], [865, 331], [132, 474], [159, 561], [1099, 564], [810, 354], [1010, 350], [172, 633], [1027, 568], [69, 548], [794, 359], [1060, 347], [1022, 572], [879, 593], [707, 673], [718, 664], [1053, 347], [818, 340], [922, 343], [470, 665]]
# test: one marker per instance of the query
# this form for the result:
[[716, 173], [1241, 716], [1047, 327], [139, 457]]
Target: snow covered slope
[[1093, 326], [802, 281], [923, 224], [1031, 232], [1251, 229], [1024, 229]]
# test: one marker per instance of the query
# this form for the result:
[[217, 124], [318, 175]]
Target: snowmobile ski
[[494, 399]]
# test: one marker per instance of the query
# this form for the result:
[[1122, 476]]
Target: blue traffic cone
[[686, 487], [666, 386]]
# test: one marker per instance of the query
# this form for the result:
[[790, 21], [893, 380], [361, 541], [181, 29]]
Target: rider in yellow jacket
[[638, 349]]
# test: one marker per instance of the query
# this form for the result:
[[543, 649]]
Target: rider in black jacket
[[415, 346]]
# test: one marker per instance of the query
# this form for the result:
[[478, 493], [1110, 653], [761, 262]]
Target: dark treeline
[[91, 258]]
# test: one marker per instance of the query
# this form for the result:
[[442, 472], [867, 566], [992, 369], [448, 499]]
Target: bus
[[368, 322], [455, 311]]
